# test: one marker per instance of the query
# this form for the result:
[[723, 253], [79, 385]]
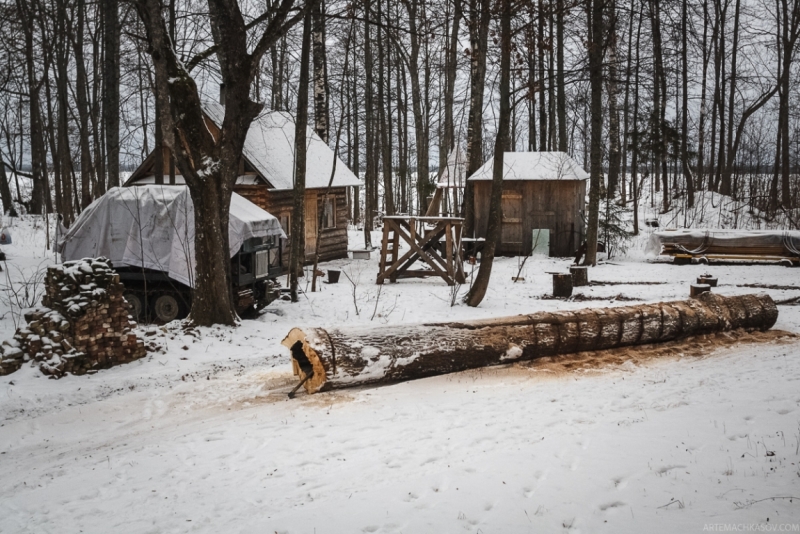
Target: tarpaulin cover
[[705, 241], [153, 227]]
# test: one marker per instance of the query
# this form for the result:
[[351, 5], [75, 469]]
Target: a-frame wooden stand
[[424, 245]]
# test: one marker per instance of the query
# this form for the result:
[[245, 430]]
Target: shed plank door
[[512, 222], [311, 223]]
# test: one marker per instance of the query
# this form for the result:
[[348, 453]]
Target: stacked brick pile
[[83, 325]]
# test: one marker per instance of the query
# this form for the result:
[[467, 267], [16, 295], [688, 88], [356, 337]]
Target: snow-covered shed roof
[[534, 166], [269, 150]]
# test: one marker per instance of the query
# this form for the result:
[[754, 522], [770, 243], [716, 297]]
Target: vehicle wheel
[[166, 308], [136, 304]]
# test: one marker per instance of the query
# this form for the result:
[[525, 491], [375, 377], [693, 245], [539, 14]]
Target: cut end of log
[[306, 362]]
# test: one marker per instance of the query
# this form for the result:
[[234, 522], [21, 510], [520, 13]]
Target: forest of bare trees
[[675, 96], [694, 94]]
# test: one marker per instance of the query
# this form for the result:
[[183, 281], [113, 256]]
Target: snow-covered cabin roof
[[269, 150], [534, 166], [454, 173]]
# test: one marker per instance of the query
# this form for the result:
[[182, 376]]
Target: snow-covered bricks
[[82, 326]]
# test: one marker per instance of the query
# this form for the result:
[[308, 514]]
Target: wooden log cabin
[[541, 190], [266, 178]]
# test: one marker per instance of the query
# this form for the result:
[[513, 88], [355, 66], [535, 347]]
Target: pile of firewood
[[83, 325]]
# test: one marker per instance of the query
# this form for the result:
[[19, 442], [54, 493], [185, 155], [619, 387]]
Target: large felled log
[[328, 359]]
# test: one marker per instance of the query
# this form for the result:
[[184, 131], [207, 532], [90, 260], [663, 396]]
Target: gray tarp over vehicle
[[153, 227]]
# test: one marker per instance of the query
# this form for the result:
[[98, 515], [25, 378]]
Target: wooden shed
[[541, 190], [266, 178]]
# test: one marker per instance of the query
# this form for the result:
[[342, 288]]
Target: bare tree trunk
[[81, 97], [298, 255], [5, 190], [552, 140], [402, 111], [451, 66], [542, 102], [51, 127], [356, 147], [384, 117], [111, 102], [725, 185], [370, 176], [481, 283], [278, 61], [773, 191], [595, 13], [321, 89], [687, 173], [530, 41], [614, 151], [62, 95], [659, 104], [715, 99], [703, 106], [783, 113], [480, 16], [424, 185], [210, 165], [561, 96], [326, 196], [95, 115], [720, 164], [39, 193], [625, 106], [789, 11]]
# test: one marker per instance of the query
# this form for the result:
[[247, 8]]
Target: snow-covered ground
[[692, 437]]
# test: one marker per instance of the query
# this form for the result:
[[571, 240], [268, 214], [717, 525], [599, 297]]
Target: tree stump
[[562, 285], [697, 289], [346, 357], [706, 279], [580, 276]]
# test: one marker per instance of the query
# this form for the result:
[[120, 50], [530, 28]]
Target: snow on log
[[345, 357]]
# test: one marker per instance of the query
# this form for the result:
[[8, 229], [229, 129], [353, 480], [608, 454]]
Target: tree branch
[[211, 50], [279, 25]]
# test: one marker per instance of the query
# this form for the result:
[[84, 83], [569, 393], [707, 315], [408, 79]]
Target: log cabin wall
[[535, 204], [333, 244]]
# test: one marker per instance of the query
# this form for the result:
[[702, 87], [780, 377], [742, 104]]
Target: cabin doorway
[[512, 222]]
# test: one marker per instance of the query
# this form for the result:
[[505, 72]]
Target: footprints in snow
[[611, 506], [667, 468]]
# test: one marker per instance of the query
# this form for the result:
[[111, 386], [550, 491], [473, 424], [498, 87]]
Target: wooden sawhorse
[[424, 245]]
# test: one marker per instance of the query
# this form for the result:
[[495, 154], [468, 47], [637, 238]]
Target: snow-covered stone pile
[[82, 326]]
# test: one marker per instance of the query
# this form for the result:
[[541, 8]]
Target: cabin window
[[286, 224], [329, 214]]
